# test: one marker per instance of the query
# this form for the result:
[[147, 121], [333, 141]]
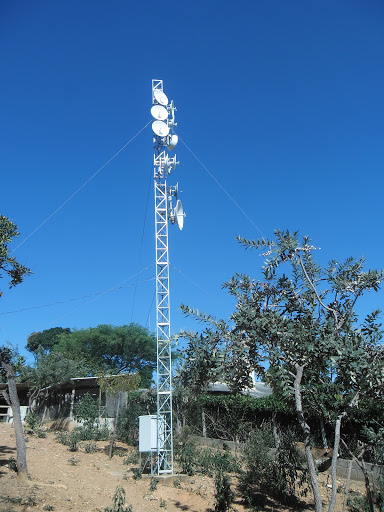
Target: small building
[[56, 403], [258, 389]]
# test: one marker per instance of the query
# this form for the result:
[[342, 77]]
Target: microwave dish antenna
[[160, 97], [178, 215], [160, 128], [160, 113], [172, 141]]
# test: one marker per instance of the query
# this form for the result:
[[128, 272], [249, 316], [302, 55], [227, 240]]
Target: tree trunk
[[307, 444], [115, 427], [367, 487], [360, 462], [203, 426], [323, 434], [336, 445], [13, 401], [276, 436], [347, 483]]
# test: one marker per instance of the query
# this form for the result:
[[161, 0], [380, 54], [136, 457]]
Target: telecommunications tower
[[164, 140]]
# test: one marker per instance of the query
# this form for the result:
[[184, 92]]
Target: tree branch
[[6, 397], [316, 292]]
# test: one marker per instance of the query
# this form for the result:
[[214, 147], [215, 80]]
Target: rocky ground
[[65, 481]]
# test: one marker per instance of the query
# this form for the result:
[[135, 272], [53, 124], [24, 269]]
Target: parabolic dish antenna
[[159, 112], [172, 142], [160, 97], [160, 128], [179, 214]]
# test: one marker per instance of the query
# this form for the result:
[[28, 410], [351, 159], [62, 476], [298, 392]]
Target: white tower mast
[[164, 212]]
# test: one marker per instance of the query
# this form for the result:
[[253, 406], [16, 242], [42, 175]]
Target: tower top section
[[164, 122]]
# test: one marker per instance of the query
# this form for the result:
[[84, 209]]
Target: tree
[[49, 371], [14, 272], [301, 318], [45, 340], [107, 349]]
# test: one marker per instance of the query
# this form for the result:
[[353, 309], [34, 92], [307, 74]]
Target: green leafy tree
[[301, 318], [15, 273], [107, 349], [45, 340], [49, 371]]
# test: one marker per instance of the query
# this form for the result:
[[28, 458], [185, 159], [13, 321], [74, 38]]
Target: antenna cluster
[[165, 138]]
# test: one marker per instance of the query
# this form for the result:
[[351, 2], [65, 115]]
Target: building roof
[[258, 390]]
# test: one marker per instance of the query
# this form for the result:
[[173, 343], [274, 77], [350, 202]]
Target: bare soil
[[63, 481]]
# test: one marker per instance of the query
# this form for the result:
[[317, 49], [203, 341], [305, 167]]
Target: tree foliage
[[11, 356], [301, 319], [49, 371], [9, 266], [107, 349], [45, 340]]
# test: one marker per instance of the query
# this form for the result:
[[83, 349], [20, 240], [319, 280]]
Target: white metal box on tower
[[148, 433]]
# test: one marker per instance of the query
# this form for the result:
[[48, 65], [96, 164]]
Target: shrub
[[257, 461], [137, 473], [288, 473], [12, 464], [132, 457], [73, 440], [90, 447], [358, 503], [186, 454], [207, 461], [284, 473], [32, 420], [87, 411], [70, 439], [211, 461], [138, 404], [153, 484], [223, 494], [119, 502], [61, 437]]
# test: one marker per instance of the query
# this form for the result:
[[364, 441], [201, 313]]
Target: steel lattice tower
[[164, 212]]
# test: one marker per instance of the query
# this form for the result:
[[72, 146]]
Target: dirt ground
[[63, 481]]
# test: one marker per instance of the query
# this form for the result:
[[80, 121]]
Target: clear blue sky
[[282, 101]]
